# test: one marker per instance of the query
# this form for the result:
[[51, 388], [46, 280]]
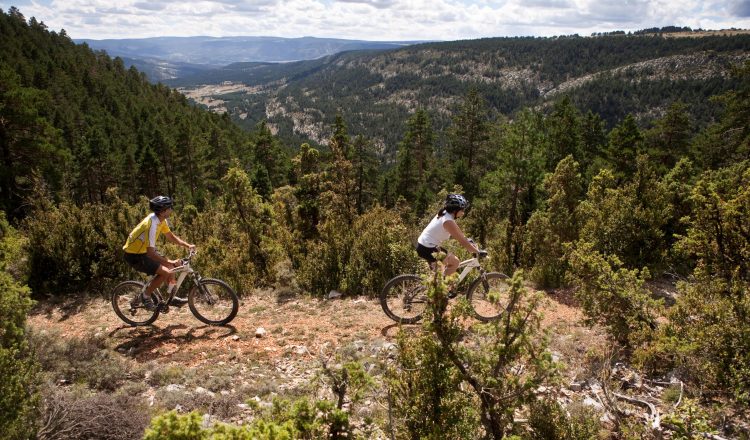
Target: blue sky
[[376, 19]]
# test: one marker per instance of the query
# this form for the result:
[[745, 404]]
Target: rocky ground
[[276, 345]]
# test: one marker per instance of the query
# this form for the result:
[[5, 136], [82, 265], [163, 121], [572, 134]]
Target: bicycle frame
[[184, 270], [468, 266]]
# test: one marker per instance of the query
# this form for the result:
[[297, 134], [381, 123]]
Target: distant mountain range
[[376, 91], [174, 57]]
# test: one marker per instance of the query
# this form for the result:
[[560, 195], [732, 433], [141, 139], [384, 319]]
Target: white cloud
[[377, 19]]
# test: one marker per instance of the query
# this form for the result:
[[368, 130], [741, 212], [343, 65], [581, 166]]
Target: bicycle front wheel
[[404, 299], [489, 296], [212, 301], [126, 300]]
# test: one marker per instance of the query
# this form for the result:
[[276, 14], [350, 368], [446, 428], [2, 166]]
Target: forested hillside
[[612, 75], [83, 123], [603, 214]]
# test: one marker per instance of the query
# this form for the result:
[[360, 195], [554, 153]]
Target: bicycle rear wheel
[[126, 302], [489, 296], [404, 299], [212, 301]]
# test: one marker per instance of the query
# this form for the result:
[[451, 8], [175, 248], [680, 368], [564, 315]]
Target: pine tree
[[415, 155], [468, 143]]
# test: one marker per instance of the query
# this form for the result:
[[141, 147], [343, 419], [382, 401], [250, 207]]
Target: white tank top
[[434, 234]]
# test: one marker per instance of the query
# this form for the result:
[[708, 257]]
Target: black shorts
[[142, 263], [428, 252]]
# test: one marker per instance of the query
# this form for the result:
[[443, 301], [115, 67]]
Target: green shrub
[[172, 426], [549, 229], [12, 251], [627, 219], [18, 394], [707, 340], [454, 382], [72, 247], [86, 360], [613, 296], [380, 251], [548, 420], [688, 421]]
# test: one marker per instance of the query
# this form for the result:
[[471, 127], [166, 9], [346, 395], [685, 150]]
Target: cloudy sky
[[375, 19]]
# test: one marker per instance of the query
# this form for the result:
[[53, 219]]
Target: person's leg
[[451, 263], [162, 275]]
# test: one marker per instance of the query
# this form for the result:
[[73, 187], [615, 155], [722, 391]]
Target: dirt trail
[[297, 328]]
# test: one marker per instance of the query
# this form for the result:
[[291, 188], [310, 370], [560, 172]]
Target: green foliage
[[13, 258], [380, 250], [18, 395], [548, 420], [627, 219], [175, 427], [69, 246], [548, 230], [707, 338], [688, 421], [83, 123], [469, 147], [415, 160], [613, 296], [425, 392], [728, 140], [512, 189], [717, 233], [489, 358]]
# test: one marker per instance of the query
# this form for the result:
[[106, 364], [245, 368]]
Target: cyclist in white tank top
[[442, 227]]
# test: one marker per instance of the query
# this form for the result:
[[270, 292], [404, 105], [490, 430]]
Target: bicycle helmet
[[455, 202], [160, 203]]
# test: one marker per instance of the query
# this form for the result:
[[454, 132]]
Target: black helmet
[[160, 203], [455, 202]]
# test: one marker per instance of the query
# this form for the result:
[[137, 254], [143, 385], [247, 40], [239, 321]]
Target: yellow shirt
[[145, 234]]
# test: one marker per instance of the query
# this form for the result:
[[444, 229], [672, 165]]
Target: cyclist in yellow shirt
[[140, 248]]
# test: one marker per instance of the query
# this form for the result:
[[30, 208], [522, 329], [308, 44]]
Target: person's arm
[[177, 240], [152, 254], [459, 236]]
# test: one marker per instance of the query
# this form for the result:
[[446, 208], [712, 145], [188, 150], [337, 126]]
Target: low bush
[[77, 414], [548, 420], [85, 360], [612, 295]]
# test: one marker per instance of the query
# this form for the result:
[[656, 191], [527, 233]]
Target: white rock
[[201, 390], [172, 387], [333, 294], [260, 332], [588, 401]]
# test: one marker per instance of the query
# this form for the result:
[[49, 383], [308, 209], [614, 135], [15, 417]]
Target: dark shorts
[[428, 252], [142, 263]]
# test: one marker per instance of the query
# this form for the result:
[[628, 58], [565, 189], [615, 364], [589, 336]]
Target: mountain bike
[[212, 301], [404, 298]]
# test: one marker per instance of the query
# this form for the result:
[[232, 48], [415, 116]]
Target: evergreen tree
[[267, 153], [593, 141], [564, 131], [625, 144], [512, 189], [415, 156], [468, 143], [364, 160], [668, 141]]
